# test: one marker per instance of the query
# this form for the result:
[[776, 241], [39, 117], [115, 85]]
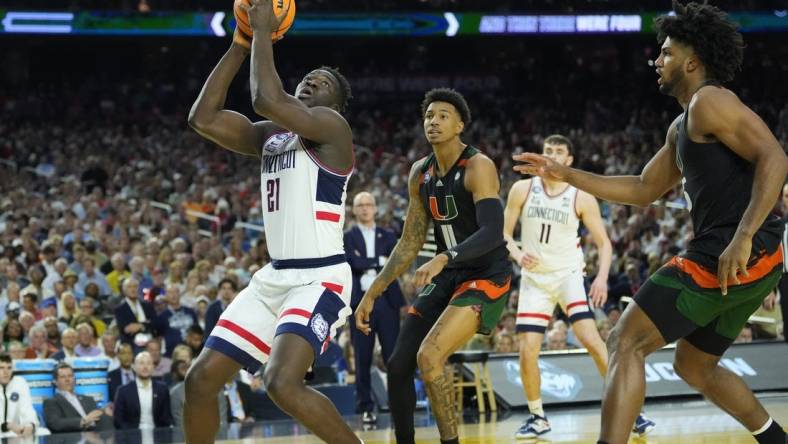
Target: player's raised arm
[[660, 175], [226, 128], [318, 123], [511, 214]]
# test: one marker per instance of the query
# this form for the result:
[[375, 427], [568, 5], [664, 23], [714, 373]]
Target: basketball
[[280, 7]]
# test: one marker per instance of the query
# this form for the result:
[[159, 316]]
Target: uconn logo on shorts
[[319, 327]]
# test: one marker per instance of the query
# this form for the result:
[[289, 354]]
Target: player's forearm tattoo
[[408, 246], [440, 392]]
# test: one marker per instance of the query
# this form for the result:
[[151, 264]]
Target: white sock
[[535, 407], [765, 427]]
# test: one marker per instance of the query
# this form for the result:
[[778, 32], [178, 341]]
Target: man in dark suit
[[228, 289], [124, 373], [367, 248], [69, 412], [144, 403], [137, 320]]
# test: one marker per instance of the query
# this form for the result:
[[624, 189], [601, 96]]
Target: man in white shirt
[[16, 407], [144, 403]]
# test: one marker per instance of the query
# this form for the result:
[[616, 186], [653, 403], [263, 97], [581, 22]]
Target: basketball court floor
[[692, 421]]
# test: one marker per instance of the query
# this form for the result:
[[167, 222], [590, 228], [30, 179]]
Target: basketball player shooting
[[292, 306], [732, 169], [465, 286], [552, 273]]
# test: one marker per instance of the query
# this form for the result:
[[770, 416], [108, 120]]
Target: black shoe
[[369, 417]]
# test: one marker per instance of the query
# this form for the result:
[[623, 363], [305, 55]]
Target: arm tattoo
[[441, 396], [413, 234]]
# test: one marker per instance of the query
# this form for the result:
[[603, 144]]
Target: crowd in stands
[[119, 233]]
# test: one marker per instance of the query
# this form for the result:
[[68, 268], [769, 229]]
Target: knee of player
[[530, 351], [428, 359], [198, 383], [692, 375], [278, 383]]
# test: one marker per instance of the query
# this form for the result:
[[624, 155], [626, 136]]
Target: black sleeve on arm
[[489, 217]]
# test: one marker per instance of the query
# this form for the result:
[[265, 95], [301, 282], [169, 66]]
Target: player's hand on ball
[[539, 165], [598, 292], [262, 17], [734, 261], [426, 272], [363, 311]]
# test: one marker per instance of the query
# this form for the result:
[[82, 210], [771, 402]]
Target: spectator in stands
[[135, 317], [90, 275], [86, 347], [109, 348], [69, 412], [508, 322], [194, 339], [70, 280], [228, 289], [201, 308], [17, 350], [177, 372], [48, 285], [504, 342], [177, 318], [124, 374], [182, 352], [144, 403], [161, 365], [137, 266], [30, 304], [745, 336], [26, 320], [12, 310], [556, 339], [87, 309], [53, 331], [68, 342], [118, 273], [67, 308], [12, 332], [604, 327], [16, 404], [36, 276], [39, 347]]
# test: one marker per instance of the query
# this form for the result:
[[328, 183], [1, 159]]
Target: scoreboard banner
[[445, 24]]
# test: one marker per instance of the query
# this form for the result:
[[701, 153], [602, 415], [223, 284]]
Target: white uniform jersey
[[549, 227], [303, 201]]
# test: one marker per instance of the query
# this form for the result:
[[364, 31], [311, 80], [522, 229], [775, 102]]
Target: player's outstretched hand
[[262, 17], [734, 261], [539, 165], [363, 311], [598, 292]]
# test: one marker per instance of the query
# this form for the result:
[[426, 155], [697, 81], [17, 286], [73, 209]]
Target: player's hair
[[345, 93], [557, 139], [448, 95], [709, 32]]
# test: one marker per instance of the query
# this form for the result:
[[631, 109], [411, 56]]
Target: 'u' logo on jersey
[[451, 208]]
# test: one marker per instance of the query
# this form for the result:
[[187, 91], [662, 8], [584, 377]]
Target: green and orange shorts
[[484, 289], [683, 299]]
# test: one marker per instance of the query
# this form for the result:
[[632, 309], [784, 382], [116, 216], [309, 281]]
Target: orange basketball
[[281, 7]]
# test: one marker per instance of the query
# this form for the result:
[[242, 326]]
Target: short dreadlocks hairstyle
[[345, 92], [448, 95], [709, 32]]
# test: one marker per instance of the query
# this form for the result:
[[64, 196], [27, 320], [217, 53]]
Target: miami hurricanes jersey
[[549, 227], [303, 201]]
